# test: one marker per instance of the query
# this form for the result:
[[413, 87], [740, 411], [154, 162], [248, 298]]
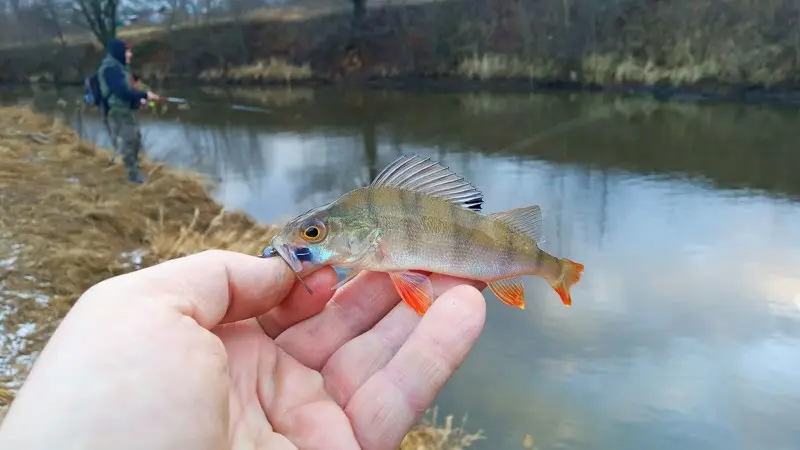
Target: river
[[684, 331]]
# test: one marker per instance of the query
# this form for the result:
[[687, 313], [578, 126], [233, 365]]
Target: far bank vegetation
[[614, 42]]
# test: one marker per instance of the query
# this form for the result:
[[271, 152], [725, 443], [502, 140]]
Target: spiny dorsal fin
[[527, 219], [431, 178]]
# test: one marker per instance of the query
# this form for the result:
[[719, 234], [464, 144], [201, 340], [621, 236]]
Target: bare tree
[[52, 16], [359, 11], [177, 9], [100, 16]]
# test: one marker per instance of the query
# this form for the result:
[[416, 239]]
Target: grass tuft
[[429, 435], [273, 69], [493, 66]]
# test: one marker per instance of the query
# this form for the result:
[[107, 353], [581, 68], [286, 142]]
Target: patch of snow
[[134, 257]]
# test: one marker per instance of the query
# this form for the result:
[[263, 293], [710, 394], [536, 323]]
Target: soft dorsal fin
[[431, 178], [527, 219]]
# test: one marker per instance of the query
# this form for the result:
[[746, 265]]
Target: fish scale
[[417, 215], [428, 239]]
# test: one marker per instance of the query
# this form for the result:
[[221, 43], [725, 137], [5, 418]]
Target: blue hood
[[116, 49]]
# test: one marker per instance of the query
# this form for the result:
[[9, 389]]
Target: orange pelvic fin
[[415, 289], [570, 274], [510, 291]]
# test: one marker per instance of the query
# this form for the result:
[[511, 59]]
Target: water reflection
[[684, 329]]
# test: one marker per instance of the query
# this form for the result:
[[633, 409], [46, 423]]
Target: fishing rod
[[183, 101]]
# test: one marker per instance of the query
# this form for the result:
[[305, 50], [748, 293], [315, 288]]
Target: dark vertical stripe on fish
[[477, 225], [507, 256], [460, 242], [452, 252], [408, 202], [370, 201]]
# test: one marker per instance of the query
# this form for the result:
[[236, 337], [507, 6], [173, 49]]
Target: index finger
[[212, 287]]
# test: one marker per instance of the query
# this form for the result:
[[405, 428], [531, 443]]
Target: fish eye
[[313, 231]]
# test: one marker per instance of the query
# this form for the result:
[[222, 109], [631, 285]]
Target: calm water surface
[[685, 329]]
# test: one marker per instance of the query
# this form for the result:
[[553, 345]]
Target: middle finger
[[354, 309], [299, 305]]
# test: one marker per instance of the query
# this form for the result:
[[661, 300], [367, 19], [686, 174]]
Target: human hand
[[223, 350], [152, 97]]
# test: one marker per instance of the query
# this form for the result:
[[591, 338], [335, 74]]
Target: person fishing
[[120, 99]]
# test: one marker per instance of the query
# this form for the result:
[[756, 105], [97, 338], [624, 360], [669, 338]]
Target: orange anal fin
[[510, 291], [571, 274], [415, 289], [566, 299]]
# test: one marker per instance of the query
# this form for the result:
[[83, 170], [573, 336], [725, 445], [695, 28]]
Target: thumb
[[212, 287]]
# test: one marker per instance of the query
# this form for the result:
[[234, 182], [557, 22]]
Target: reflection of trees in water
[[270, 96], [227, 151], [338, 169], [733, 145], [555, 181], [370, 148], [343, 167], [603, 206]]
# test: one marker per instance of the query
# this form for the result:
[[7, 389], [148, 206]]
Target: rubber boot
[[136, 177]]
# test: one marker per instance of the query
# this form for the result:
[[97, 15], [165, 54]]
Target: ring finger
[[356, 308]]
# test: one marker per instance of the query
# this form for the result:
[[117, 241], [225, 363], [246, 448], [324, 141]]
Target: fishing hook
[[270, 252]]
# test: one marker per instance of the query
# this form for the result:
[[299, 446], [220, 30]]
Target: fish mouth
[[286, 253], [294, 257]]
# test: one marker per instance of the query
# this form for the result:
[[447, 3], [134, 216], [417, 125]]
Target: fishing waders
[[127, 142]]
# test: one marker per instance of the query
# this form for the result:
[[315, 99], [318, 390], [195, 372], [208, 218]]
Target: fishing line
[[564, 126]]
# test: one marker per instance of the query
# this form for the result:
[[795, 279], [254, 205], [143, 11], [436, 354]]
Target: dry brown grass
[[274, 69], [68, 221], [493, 66], [430, 435]]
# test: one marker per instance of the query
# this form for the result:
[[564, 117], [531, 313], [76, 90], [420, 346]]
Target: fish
[[419, 216]]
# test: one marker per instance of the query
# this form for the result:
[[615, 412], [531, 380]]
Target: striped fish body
[[419, 216], [423, 232]]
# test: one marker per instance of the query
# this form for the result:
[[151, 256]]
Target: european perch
[[417, 215]]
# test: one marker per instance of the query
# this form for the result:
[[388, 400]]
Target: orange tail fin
[[570, 274]]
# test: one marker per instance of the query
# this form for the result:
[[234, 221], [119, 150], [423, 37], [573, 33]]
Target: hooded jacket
[[116, 82]]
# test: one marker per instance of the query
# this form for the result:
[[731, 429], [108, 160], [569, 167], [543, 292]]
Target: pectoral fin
[[510, 291], [415, 289], [352, 274]]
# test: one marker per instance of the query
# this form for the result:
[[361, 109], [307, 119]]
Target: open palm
[[279, 369]]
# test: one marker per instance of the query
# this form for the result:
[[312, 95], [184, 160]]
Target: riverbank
[[696, 49], [69, 221]]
